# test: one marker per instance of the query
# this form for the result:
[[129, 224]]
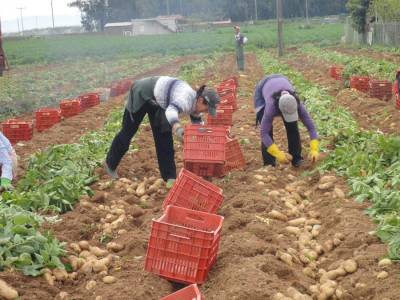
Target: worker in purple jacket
[[276, 96]]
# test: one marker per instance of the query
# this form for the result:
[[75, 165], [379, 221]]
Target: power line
[[22, 20], [52, 12], [279, 19]]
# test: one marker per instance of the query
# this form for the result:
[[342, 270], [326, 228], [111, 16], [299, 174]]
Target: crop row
[[355, 65], [369, 160]]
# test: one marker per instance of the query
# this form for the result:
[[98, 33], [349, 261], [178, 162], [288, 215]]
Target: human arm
[[309, 124]]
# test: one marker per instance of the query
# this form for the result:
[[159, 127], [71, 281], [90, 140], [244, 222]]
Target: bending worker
[[8, 163], [163, 99], [276, 96]]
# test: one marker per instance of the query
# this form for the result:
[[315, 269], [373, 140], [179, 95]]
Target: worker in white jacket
[[163, 99], [8, 163]]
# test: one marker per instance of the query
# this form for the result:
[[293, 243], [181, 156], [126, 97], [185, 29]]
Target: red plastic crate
[[190, 292], [381, 89], [234, 156], [398, 102], [193, 192], [336, 72], [183, 244], [224, 116], [46, 118], [228, 99], [204, 149], [70, 108], [360, 83], [17, 130], [228, 83], [89, 100]]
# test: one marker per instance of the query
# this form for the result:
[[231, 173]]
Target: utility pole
[[307, 20], [255, 10], [168, 7], [52, 12], [22, 20], [279, 19]]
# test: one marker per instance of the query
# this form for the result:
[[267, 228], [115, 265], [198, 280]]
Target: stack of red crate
[[46, 118], [224, 116], [17, 130], [70, 108], [360, 83], [381, 89], [204, 149], [234, 157], [336, 72], [89, 100]]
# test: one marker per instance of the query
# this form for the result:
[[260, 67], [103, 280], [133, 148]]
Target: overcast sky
[[36, 13]]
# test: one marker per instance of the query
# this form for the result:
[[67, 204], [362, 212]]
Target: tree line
[[96, 13]]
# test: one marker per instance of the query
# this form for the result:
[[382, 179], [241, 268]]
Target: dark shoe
[[112, 173], [297, 163]]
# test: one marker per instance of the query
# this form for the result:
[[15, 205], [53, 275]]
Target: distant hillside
[[40, 22]]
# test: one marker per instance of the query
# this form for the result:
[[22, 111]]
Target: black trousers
[[294, 142], [163, 141]]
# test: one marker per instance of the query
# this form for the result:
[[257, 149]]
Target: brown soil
[[370, 113], [247, 266]]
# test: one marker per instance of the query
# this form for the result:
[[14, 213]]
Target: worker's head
[[288, 106], [237, 29], [207, 101]]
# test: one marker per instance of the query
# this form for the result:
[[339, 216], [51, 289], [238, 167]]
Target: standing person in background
[[396, 89], [8, 163], [163, 99], [240, 40], [275, 96]]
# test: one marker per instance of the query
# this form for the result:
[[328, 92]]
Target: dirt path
[[250, 263], [370, 113]]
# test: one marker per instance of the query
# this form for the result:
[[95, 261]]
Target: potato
[[98, 252], [336, 242], [339, 193], [327, 179], [85, 254], [382, 275], [7, 292], [49, 278], [75, 247], [91, 285], [297, 222], [60, 274], [62, 296], [141, 189], [258, 177], [339, 293], [296, 295], [311, 254], [118, 211], [99, 298], [112, 246], [87, 267], [274, 194], [309, 272], [339, 236], [328, 245], [313, 222], [350, 265], [327, 290], [314, 289], [325, 186], [280, 296], [287, 258], [99, 266], [110, 217], [384, 262], [293, 230], [122, 231], [84, 245], [73, 276], [274, 214], [109, 279]]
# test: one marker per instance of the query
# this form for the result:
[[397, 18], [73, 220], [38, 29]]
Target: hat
[[288, 107], [236, 27], [212, 100]]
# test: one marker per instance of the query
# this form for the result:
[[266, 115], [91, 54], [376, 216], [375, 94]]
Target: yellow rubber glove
[[314, 150], [278, 154]]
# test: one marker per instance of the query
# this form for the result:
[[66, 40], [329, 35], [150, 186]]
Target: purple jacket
[[271, 110]]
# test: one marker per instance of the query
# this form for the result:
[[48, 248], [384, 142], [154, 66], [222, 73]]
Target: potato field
[[329, 230]]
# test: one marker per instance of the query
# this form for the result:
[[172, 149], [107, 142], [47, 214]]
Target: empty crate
[[193, 192], [46, 118], [70, 108], [17, 130], [190, 292], [183, 244]]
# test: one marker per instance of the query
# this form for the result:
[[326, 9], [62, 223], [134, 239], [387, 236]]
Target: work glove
[[179, 132], [5, 184], [281, 156], [314, 150]]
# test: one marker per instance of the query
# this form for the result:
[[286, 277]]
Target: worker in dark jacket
[[163, 99], [275, 96]]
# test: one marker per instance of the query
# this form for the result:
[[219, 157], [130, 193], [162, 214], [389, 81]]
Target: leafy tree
[[358, 10], [94, 13]]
